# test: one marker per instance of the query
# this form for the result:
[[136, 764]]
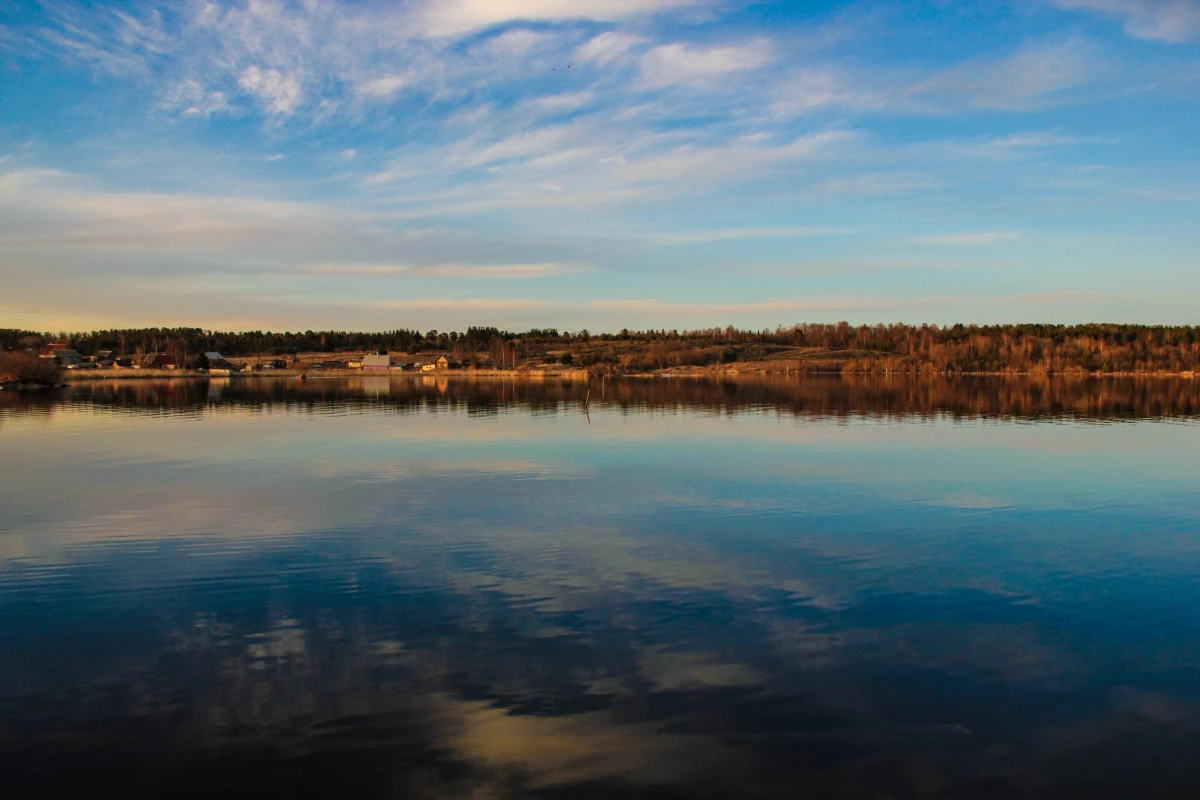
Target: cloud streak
[[1174, 21]]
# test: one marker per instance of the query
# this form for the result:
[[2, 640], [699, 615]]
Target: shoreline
[[582, 375]]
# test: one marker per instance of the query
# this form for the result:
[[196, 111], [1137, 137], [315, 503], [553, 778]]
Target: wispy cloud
[[487, 271], [727, 234], [814, 88], [964, 239], [501, 271], [607, 47], [676, 63], [1054, 297], [110, 40], [191, 99], [457, 17], [1164, 20], [568, 101], [1035, 77], [383, 86], [1032, 78], [279, 93], [469, 304]]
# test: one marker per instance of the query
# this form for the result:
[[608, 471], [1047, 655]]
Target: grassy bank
[[82, 375]]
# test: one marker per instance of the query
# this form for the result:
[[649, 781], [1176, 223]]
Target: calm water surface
[[432, 588]]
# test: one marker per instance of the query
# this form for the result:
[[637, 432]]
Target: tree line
[[958, 348]]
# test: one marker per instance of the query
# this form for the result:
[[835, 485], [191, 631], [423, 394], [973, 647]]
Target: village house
[[376, 362], [67, 358], [158, 361], [270, 364], [212, 359], [447, 362]]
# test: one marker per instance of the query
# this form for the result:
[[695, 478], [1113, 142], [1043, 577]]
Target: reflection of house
[[158, 361], [447, 362], [376, 363]]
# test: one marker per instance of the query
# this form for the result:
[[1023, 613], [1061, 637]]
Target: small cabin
[[447, 362]]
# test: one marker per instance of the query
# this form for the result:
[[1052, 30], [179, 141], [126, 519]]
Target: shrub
[[25, 368]]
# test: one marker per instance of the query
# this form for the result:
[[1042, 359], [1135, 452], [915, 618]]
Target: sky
[[599, 164]]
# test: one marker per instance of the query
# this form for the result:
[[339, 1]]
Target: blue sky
[[597, 163]]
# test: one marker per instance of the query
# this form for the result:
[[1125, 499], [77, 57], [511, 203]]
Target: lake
[[439, 587]]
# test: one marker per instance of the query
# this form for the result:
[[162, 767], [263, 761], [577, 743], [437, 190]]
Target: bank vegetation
[[811, 347]]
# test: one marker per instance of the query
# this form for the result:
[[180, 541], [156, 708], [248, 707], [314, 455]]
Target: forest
[[819, 347]]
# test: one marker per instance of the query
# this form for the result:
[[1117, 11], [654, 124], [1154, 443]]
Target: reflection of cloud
[[577, 749], [670, 671], [968, 500]]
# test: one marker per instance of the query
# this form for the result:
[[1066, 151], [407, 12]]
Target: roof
[[448, 359], [374, 360], [213, 356]]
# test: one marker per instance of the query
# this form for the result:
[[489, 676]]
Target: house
[[447, 362], [376, 363], [217, 361], [274, 363], [48, 350], [67, 358], [158, 361]]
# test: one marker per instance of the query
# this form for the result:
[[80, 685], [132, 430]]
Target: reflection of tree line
[[1023, 397]]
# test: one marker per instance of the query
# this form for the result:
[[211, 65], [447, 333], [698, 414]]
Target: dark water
[[429, 588]]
